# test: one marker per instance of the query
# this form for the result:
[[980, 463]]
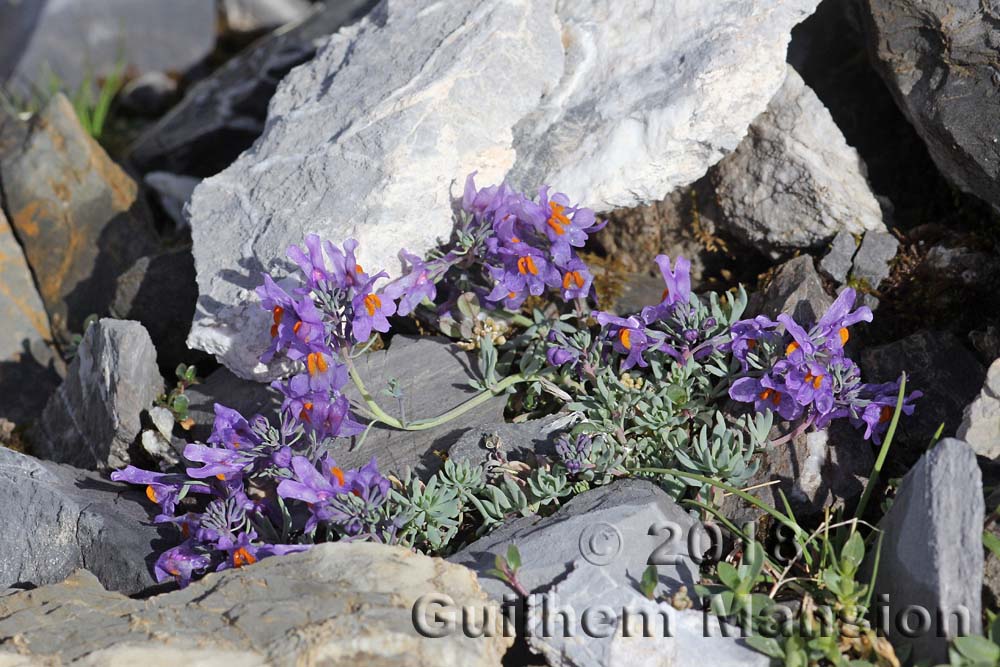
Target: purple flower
[[747, 335], [875, 406], [415, 286], [371, 311], [677, 280], [223, 463], [557, 356], [231, 429], [575, 453], [628, 336], [565, 226], [181, 563], [312, 265], [486, 203], [766, 394], [524, 272], [576, 279], [317, 403], [278, 302], [839, 316], [161, 488], [345, 273]]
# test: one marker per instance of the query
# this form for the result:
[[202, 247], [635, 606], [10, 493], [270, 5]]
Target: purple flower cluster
[[676, 326], [242, 484], [530, 246], [805, 374]]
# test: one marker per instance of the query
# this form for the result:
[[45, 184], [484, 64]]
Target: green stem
[[883, 451], [378, 414]]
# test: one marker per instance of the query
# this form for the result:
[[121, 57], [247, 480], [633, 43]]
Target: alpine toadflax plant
[[640, 389]]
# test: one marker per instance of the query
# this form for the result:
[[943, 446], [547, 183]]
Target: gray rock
[[613, 529], [150, 94], [872, 261], [85, 40], [815, 470], [221, 116], [77, 215], [512, 442], [93, 419], [256, 15], [794, 182], [391, 151], [27, 361], [796, 289], [669, 637], [936, 57], [932, 550], [970, 267], [937, 364], [980, 425], [836, 263], [57, 518], [159, 291], [338, 604], [174, 193]]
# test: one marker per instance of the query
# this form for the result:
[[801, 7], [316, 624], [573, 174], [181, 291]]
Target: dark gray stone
[[77, 215], [941, 367], [17, 23], [872, 261], [932, 549], [612, 529], [796, 289], [92, 421], [815, 470], [836, 264], [160, 292], [86, 40], [938, 59], [221, 116], [58, 518], [514, 442], [338, 605]]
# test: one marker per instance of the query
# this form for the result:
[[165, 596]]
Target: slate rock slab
[[341, 605], [837, 262], [81, 40], [932, 549], [794, 182], [525, 441], [92, 421], [222, 115], [434, 377], [612, 103], [980, 425], [27, 361], [937, 58], [159, 292], [939, 365], [76, 214], [57, 518], [612, 529], [872, 262]]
